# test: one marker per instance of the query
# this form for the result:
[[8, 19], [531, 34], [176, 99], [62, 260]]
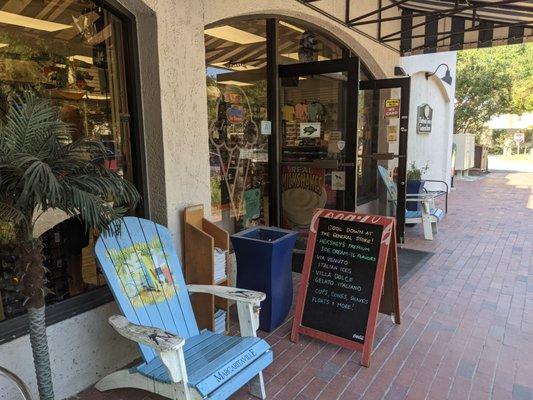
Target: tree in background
[[491, 82], [521, 73]]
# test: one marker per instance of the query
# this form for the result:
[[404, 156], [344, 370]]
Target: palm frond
[[112, 188], [93, 210], [40, 167], [10, 213], [30, 122]]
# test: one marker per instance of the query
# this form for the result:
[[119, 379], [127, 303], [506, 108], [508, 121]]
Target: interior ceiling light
[[291, 26], [33, 23], [234, 66], [85, 59], [235, 35], [236, 83], [3, 45], [294, 56]]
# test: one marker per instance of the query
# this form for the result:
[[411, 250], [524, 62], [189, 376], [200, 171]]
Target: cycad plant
[[42, 168]]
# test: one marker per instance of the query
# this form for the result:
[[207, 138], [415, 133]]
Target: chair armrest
[[445, 192], [230, 293], [419, 197], [156, 338], [437, 181]]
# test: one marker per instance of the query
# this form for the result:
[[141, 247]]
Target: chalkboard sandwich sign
[[350, 274]]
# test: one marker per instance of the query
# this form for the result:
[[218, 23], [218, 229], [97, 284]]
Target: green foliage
[[414, 173], [42, 168], [521, 73], [504, 139], [491, 82], [483, 89]]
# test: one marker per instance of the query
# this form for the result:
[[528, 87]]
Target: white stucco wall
[[435, 147], [172, 67], [83, 349]]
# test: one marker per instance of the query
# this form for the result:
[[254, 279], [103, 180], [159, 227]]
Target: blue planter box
[[264, 256], [414, 187]]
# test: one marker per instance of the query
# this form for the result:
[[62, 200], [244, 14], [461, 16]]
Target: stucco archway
[[368, 51]]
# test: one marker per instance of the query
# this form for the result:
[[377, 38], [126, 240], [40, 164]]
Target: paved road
[[467, 316], [496, 163]]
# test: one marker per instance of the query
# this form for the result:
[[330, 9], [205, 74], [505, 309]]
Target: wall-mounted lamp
[[447, 76], [399, 71]]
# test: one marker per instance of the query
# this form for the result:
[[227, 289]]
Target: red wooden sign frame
[[387, 262]]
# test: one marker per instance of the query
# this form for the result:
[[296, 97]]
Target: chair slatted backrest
[[392, 191], [143, 271]]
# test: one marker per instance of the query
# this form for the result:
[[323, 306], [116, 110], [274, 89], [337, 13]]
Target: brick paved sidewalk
[[467, 315]]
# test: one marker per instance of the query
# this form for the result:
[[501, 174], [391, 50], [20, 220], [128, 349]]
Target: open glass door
[[382, 148], [317, 140]]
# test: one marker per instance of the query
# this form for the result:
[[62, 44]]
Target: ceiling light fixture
[[85, 59], [3, 45], [33, 23], [291, 26], [234, 66], [235, 35], [236, 83], [399, 71]]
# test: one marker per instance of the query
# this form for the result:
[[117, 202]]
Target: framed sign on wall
[[424, 118]]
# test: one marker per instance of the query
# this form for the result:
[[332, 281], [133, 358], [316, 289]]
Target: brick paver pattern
[[467, 315]]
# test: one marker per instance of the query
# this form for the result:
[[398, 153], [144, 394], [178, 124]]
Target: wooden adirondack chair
[[429, 216], [180, 362]]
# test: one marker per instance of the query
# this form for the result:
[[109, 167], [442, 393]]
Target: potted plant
[[415, 183], [42, 169]]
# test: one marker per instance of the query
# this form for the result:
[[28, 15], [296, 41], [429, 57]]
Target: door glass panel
[[313, 138], [378, 150], [238, 132]]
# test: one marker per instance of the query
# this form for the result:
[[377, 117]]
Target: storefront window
[[238, 127], [71, 53], [298, 44]]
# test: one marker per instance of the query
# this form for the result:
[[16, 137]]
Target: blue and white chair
[[179, 361], [427, 214]]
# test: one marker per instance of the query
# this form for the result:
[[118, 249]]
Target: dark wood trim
[[458, 37], [431, 34], [486, 34], [133, 89], [405, 85], [273, 116]]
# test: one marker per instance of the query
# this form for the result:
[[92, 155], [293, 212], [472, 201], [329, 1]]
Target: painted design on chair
[[144, 273]]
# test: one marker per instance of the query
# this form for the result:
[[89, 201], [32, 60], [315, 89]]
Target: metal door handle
[[326, 164], [383, 156]]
